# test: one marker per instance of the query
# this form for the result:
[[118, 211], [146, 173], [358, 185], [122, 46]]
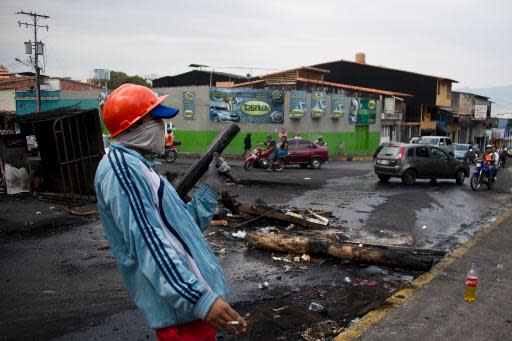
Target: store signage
[[189, 105], [255, 108], [298, 100], [362, 111], [318, 104], [337, 106], [246, 105], [480, 112]]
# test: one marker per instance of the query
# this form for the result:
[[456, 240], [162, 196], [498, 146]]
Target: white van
[[443, 142]]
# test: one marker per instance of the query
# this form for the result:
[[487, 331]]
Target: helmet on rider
[[129, 103]]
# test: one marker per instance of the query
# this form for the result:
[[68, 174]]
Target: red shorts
[[192, 331]]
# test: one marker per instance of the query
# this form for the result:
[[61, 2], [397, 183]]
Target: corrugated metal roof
[[17, 83], [387, 68], [238, 85], [355, 88], [300, 68], [331, 84]]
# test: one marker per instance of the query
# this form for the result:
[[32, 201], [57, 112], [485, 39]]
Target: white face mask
[[148, 136]]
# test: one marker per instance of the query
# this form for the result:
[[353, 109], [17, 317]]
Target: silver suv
[[443, 142], [417, 161]]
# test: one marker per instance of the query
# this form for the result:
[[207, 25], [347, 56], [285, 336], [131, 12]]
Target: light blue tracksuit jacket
[[171, 273]]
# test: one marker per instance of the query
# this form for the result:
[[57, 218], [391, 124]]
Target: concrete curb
[[355, 158], [373, 317], [238, 157]]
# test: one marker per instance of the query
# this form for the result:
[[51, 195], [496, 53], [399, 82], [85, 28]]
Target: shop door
[[362, 138]]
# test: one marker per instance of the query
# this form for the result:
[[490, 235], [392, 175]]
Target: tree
[[119, 78]]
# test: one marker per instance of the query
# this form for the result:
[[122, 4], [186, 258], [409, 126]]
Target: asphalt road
[[427, 215], [59, 285]]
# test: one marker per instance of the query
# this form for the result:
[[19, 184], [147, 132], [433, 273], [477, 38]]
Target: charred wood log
[[356, 253], [279, 216]]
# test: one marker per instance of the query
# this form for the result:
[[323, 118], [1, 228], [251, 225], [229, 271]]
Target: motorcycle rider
[[283, 149], [489, 158], [320, 141], [271, 151], [496, 157], [169, 138]]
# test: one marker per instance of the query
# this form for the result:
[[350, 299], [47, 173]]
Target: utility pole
[[36, 48]]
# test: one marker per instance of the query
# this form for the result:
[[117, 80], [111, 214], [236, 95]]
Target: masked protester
[[169, 270]]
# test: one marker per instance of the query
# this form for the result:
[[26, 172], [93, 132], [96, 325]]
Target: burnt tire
[[460, 177], [315, 163], [409, 177], [383, 178]]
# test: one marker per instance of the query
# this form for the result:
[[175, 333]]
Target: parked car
[[443, 142], [32, 146], [414, 139], [305, 153], [464, 152], [418, 161]]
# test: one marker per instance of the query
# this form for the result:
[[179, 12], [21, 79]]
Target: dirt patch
[[24, 216], [291, 316]]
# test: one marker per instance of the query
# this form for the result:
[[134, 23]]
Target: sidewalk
[[438, 311]]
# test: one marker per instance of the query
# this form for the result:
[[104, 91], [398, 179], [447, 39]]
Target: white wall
[[7, 101]]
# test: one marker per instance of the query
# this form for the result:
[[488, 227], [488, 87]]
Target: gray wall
[[306, 124]]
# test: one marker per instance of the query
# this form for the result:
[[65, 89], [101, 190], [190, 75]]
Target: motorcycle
[[260, 158], [170, 154], [482, 175]]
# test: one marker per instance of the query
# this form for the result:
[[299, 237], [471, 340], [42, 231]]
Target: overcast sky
[[469, 41]]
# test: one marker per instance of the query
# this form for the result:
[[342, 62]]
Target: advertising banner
[[362, 111], [246, 105], [298, 100], [480, 112], [337, 106], [318, 104], [189, 101]]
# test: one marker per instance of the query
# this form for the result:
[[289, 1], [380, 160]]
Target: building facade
[[467, 120], [429, 93]]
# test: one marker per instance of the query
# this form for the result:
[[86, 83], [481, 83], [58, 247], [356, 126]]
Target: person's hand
[[221, 313], [222, 166]]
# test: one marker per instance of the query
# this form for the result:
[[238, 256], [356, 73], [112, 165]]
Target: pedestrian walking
[[247, 145], [170, 272]]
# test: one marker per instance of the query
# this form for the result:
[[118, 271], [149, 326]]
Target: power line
[[38, 48]]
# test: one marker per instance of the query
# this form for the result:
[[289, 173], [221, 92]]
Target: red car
[[305, 152]]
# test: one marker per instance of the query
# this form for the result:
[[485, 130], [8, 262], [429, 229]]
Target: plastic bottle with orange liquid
[[470, 288]]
